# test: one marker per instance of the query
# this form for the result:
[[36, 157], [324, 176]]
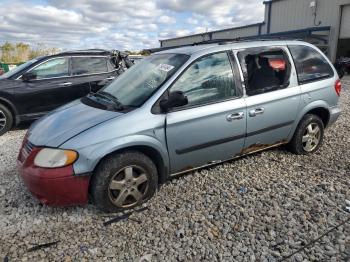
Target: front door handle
[[110, 78], [257, 111], [235, 116], [66, 84]]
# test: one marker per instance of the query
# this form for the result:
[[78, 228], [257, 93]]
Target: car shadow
[[22, 126]]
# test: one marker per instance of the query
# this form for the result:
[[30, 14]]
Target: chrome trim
[[110, 78], [68, 76], [66, 84]]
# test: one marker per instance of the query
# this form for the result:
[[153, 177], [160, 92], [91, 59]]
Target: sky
[[119, 24]]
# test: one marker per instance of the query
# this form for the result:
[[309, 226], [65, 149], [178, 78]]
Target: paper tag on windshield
[[165, 67]]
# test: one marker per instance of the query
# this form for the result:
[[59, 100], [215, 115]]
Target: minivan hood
[[66, 122]]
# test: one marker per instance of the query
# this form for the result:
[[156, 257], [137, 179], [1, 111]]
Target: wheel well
[[152, 153], [9, 107], [321, 113]]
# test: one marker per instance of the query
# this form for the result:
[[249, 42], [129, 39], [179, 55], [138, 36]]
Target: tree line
[[13, 53], [21, 52]]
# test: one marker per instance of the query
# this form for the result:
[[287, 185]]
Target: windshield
[[140, 81], [18, 68]]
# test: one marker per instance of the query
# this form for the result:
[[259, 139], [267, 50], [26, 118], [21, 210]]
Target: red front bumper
[[53, 186]]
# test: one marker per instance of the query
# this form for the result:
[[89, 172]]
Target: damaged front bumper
[[52, 186]]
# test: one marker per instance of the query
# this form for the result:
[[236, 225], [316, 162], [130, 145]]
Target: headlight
[[51, 158]]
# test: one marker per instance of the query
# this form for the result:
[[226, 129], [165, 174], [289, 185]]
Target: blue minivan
[[176, 111]]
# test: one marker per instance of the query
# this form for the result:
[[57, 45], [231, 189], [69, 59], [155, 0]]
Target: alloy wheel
[[311, 137], [128, 186], [2, 120]]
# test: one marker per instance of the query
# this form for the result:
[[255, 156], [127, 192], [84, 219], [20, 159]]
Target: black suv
[[45, 83]]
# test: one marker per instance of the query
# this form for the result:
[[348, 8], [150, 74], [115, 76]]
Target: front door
[[50, 89], [212, 126], [272, 96]]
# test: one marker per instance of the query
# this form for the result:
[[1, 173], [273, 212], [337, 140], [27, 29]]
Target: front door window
[[208, 80], [57, 67]]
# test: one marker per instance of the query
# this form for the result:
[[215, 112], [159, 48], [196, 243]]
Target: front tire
[[6, 119], [308, 136], [123, 181]]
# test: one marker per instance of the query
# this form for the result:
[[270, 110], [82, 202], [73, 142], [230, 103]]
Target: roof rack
[[214, 41], [87, 51], [243, 39]]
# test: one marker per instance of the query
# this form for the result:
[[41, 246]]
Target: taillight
[[24, 142], [337, 87]]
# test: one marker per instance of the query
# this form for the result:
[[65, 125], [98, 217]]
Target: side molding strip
[[222, 161], [230, 139], [270, 128], [208, 144]]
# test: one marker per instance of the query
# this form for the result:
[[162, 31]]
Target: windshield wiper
[[109, 97]]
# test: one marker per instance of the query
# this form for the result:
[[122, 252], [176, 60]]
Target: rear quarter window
[[310, 64]]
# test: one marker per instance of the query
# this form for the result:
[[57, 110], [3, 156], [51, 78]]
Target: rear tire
[[123, 181], [308, 136], [6, 119]]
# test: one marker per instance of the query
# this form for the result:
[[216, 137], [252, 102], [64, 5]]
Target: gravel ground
[[289, 202]]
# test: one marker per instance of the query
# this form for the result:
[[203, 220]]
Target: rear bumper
[[56, 186], [335, 112]]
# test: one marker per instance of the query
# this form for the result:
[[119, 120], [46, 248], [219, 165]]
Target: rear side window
[[265, 69], [88, 65], [310, 64]]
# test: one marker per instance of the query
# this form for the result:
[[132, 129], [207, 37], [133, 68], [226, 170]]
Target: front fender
[[304, 111], [91, 155], [6, 100]]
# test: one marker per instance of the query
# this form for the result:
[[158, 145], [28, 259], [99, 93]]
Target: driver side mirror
[[28, 77], [175, 99]]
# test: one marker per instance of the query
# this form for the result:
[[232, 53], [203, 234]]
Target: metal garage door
[[345, 23]]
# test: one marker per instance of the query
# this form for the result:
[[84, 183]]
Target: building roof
[[223, 30], [273, 37], [215, 31]]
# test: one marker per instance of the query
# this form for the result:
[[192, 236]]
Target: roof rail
[[269, 38], [87, 51], [244, 39], [214, 41]]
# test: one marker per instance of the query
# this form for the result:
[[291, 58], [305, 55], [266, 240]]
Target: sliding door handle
[[257, 111]]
